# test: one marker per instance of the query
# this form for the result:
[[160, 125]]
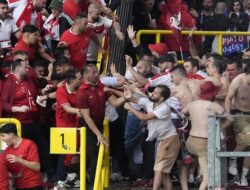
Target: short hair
[[80, 15], [237, 62], [29, 28], [59, 51], [167, 58], [220, 62], [165, 91], [194, 62], [61, 61], [3, 2], [144, 52], [247, 69], [39, 63], [86, 67], [71, 75], [15, 64], [20, 52], [246, 61], [179, 70], [8, 129]]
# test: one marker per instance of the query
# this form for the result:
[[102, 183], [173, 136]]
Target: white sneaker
[[191, 179], [116, 177], [243, 181], [232, 168]]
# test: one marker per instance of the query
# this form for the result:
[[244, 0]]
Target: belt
[[239, 111]]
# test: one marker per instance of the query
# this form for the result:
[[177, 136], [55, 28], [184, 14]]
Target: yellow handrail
[[220, 35], [83, 153], [102, 168]]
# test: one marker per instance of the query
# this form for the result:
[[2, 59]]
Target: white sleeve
[[128, 74], [107, 22], [163, 79], [143, 101], [162, 112], [109, 81]]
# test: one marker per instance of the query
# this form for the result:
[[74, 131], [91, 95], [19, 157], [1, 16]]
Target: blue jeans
[[133, 133]]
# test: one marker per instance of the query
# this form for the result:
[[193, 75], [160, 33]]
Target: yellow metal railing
[[220, 35], [83, 153], [12, 121], [102, 168], [102, 61]]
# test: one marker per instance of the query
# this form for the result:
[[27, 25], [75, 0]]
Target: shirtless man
[[215, 68], [238, 98], [185, 90], [199, 110]]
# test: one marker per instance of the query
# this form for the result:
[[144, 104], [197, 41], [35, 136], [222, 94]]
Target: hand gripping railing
[[102, 168]]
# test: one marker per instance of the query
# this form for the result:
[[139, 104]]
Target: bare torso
[[199, 111], [242, 96], [188, 91]]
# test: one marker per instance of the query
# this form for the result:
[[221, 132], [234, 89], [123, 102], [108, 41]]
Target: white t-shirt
[[162, 127], [7, 27], [99, 27]]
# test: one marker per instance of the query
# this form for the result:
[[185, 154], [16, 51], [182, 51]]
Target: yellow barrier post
[[83, 146], [99, 167], [106, 153], [102, 168], [220, 44]]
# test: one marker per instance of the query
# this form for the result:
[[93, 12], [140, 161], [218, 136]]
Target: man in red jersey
[[30, 44], [67, 115], [90, 99], [66, 111], [4, 176], [77, 39], [22, 159]]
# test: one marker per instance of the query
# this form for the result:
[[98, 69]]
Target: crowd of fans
[[49, 78]]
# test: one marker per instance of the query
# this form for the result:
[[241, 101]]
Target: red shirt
[[194, 76], [78, 46], [63, 97], [71, 8], [28, 151], [4, 176], [23, 94], [29, 49], [93, 98]]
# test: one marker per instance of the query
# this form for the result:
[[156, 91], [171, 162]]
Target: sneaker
[[232, 169], [236, 180], [75, 183], [190, 179], [243, 181], [115, 177], [61, 185]]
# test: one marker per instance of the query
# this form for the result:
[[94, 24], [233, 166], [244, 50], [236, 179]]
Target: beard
[[207, 8], [96, 19], [38, 7], [152, 99]]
